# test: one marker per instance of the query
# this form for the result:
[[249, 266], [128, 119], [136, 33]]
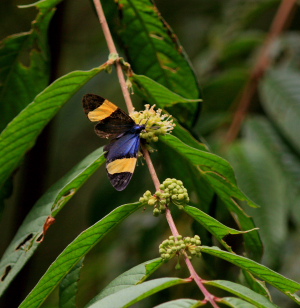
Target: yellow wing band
[[121, 165], [102, 112]]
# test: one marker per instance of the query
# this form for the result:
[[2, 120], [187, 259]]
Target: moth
[[116, 124]]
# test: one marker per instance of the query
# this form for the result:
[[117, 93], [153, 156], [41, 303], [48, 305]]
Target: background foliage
[[222, 39]]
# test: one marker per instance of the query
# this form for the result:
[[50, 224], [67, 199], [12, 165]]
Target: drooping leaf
[[157, 94], [212, 225], [181, 303], [161, 96], [258, 175], [285, 285], [220, 176], [131, 277], [260, 131], [21, 133], [74, 252], [280, 95], [69, 286], [144, 34], [31, 232], [25, 67], [243, 292], [131, 295]]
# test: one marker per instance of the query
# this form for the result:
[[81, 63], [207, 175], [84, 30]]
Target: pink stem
[[112, 49]]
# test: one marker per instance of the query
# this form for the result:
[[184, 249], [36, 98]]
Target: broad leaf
[[212, 225], [220, 176], [258, 174], [131, 277], [280, 94], [260, 131], [129, 296], [285, 285], [144, 34], [69, 287], [31, 232], [181, 303], [74, 252], [243, 292], [25, 67], [21, 133]]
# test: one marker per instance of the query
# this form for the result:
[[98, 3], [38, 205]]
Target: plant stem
[[111, 46], [113, 50], [279, 23]]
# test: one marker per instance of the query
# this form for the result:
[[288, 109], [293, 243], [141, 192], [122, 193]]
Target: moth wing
[[121, 160], [113, 121]]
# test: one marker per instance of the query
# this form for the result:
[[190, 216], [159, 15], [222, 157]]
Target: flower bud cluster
[[176, 245], [171, 190], [156, 123]]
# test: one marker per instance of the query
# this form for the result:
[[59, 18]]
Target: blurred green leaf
[[181, 303], [131, 295], [243, 292], [212, 225], [25, 67], [258, 175], [260, 131], [222, 90], [280, 95], [285, 285], [145, 35], [21, 133], [220, 176], [129, 278], [68, 288], [74, 252], [31, 232]]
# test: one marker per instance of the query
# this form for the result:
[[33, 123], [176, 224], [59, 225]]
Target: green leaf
[[69, 287], [256, 285], [236, 302], [25, 71], [131, 295], [31, 232], [280, 94], [74, 252], [220, 176], [21, 133], [243, 292], [212, 225], [155, 93], [131, 277], [285, 285], [181, 303], [144, 34], [258, 174], [260, 131]]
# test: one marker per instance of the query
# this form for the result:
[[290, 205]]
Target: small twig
[[111, 46], [279, 23]]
